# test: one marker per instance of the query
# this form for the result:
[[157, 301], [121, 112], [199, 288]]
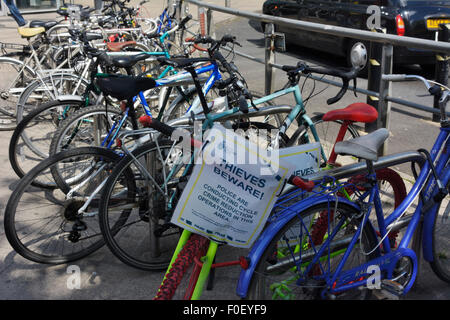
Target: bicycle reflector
[[400, 24]]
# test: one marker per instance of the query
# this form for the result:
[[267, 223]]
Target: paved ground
[[104, 277]]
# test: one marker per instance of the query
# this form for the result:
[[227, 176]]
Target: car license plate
[[433, 24]]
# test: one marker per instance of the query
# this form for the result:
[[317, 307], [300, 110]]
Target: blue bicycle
[[325, 246]]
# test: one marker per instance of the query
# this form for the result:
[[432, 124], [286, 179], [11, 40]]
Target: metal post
[[374, 79], [98, 5], [441, 69], [210, 24], [269, 58], [380, 62], [177, 8], [227, 3], [202, 20], [384, 106]]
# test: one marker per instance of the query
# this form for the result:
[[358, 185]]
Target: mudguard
[[68, 97], [271, 230], [8, 59]]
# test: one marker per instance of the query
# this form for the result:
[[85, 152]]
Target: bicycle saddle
[[46, 24], [128, 61], [357, 112], [124, 87], [118, 46], [365, 147], [182, 62], [26, 32]]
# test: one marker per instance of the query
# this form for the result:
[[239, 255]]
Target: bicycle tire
[[196, 246], [30, 142], [31, 208], [312, 288], [327, 135], [441, 263], [9, 73], [64, 133], [32, 98], [178, 108], [125, 216]]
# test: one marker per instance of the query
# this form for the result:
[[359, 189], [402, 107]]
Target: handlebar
[[437, 90], [302, 184], [345, 75]]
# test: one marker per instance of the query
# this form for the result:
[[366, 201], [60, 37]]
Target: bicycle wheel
[[276, 277], [441, 241], [46, 225], [86, 127], [181, 105], [134, 219], [15, 77], [30, 142], [327, 132], [48, 89]]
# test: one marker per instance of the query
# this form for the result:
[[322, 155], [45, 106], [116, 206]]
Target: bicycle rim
[[31, 140], [134, 219], [441, 241], [45, 225], [12, 84], [272, 280]]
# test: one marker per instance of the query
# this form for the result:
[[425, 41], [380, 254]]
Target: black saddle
[[182, 62], [365, 147], [89, 36], [128, 61], [46, 24], [124, 87]]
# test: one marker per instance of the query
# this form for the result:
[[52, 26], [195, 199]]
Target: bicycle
[[78, 181], [30, 140], [121, 210], [325, 270]]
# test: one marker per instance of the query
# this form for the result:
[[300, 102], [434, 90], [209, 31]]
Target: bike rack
[[380, 56]]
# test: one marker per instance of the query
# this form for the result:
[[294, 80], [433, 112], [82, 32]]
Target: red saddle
[[356, 112], [118, 46]]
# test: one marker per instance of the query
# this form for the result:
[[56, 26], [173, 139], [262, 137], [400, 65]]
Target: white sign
[[227, 198]]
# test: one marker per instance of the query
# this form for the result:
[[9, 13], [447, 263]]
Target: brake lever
[[354, 87]]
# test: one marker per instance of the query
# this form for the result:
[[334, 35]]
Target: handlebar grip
[[302, 184], [185, 20], [228, 38], [148, 122], [289, 68], [243, 105], [434, 90], [340, 94]]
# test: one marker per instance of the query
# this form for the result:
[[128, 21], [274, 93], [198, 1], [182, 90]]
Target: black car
[[414, 18]]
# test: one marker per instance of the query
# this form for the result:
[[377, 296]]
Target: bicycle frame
[[357, 276], [297, 110]]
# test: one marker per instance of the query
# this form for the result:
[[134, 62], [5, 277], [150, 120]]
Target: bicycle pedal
[[381, 294], [392, 288]]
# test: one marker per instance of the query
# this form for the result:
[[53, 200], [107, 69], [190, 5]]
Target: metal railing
[[380, 56]]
